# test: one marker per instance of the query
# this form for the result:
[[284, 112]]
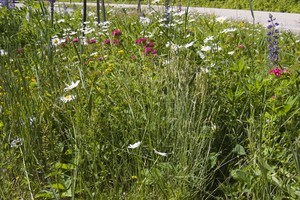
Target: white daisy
[[160, 153], [209, 38], [145, 21], [135, 145], [2, 52], [231, 52], [221, 19], [72, 85], [189, 45], [205, 48], [16, 143], [67, 98], [202, 56]]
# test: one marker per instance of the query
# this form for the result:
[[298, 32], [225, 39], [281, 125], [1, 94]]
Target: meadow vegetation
[[171, 105]]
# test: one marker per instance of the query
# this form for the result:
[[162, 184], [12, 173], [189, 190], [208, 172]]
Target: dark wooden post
[[103, 11]]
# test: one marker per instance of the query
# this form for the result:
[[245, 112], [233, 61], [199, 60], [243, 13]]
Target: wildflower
[[150, 50], [240, 46], [210, 38], [65, 8], [67, 98], [150, 44], [160, 153], [230, 52], [91, 41], [134, 178], [273, 41], [57, 41], [145, 21], [135, 145], [75, 40], [95, 54], [189, 45], [221, 19], [4, 3], [16, 143], [83, 40], [205, 48], [107, 41], [202, 56], [72, 85], [2, 52], [60, 21], [141, 40], [228, 30], [278, 72], [116, 33]]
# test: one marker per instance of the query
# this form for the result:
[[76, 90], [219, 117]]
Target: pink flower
[[107, 41], [116, 32], [141, 40], [278, 72], [75, 40], [150, 44], [91, 41], [150, 50], [241, 46]]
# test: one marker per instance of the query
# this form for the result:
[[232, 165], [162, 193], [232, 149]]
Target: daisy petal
[[160, 153], [72, 85], [135, 145]]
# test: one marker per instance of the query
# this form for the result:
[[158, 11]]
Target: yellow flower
[[134, 178], [109, 69]]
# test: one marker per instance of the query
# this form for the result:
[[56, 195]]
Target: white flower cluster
[[2, 52], [68, 98]]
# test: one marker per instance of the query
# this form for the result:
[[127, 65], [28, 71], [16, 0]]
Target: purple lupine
[[65, 8], [4, 3], [272, 35]]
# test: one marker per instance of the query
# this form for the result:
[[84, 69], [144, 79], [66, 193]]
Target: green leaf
[[58, 186], [239, 149], [44, 194], [64, 166], [277, 181], [289, 104], [68, 193], [241, 176]]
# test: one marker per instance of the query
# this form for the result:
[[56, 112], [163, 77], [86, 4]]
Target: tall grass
[[145, 108]]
